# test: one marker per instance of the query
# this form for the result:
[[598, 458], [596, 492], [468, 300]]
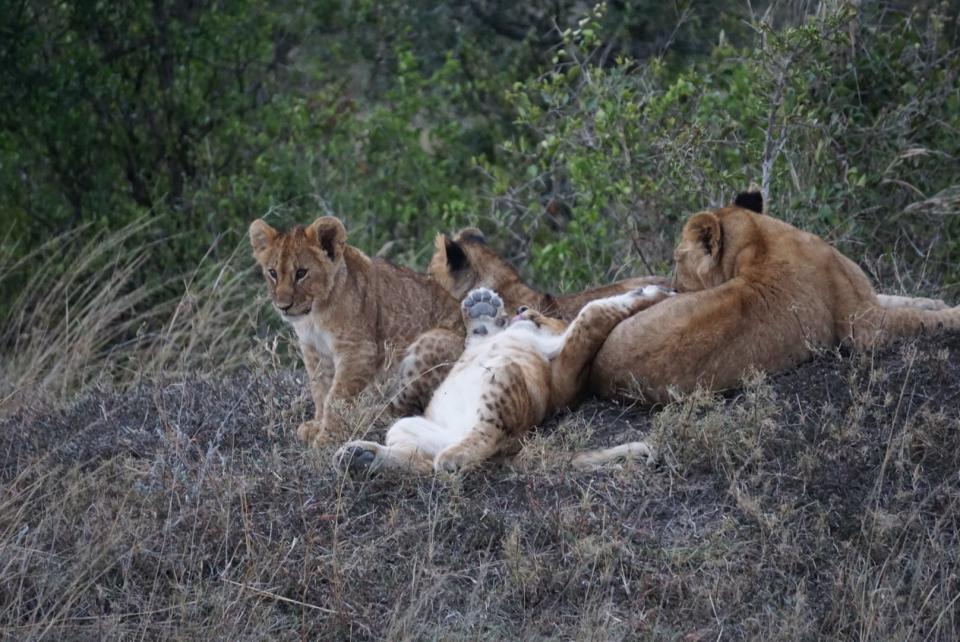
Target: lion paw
[[654, 292], [309, 429], [483, 312], [357, 458], [452, 460]]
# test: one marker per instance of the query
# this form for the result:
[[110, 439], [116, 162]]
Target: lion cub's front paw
[[483, 312], [317, 434], [308, 430], [654, 292]]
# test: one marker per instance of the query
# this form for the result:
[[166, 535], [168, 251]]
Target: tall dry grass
[[85, 314]]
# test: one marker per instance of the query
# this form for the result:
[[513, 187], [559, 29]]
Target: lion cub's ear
[[752, 200], [704, 228], [450, 252], [471, 235], [261, 236], [330, 234]]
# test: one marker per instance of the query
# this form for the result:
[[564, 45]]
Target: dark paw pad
[[357, 461], [482, 302]]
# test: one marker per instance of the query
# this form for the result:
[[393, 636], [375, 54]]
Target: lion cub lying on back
[[464, 263], [512, 375]]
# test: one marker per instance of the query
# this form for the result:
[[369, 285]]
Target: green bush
[[580, 140]]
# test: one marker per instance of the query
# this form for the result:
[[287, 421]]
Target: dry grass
[[83, 316], [171, 500]]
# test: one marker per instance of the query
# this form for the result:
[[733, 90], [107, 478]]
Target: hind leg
[[484, 441], [587, 333], [410, 446]]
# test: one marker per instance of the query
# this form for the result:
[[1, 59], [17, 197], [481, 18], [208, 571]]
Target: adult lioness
[[755, 292], [349, 311], [466, 262], [513, 374]]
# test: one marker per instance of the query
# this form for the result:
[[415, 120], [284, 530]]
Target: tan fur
[[467, 262], [508, 379], [350, 312], [755, 292], [461, 265]]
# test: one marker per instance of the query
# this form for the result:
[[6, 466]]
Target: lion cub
[[462, 264], [513, 373], [350, 312]]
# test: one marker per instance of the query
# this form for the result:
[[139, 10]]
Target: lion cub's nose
[[284, 308]]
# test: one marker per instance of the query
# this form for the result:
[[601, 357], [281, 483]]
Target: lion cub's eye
[[301, 273], [522, 309], [272, 273]]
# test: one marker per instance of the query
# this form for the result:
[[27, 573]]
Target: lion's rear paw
[[483, 312], [357, 458], [452, 460]]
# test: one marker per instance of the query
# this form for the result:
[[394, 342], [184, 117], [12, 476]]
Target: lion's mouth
[[293, 314], [520, 317]]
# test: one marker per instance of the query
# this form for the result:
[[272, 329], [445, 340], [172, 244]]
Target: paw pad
[[356, 460], [482, 302]]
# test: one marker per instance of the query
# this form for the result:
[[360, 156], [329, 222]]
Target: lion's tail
[[593, 459], [890, 324]]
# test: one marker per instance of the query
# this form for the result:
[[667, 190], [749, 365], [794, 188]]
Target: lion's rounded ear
[[471, 235], [704, 228], [751, 200], [261, 235], [330, 234], [453, 253]]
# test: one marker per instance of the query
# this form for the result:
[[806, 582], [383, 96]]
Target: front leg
[[320, 370], [587, 333], [357, 364]]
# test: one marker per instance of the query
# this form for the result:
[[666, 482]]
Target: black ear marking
[[474, 236], [752, 201], [328, 242], [456, 257]]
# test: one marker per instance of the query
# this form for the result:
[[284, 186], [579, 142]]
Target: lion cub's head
[[536, 319], [300, 265], [714, 245], [463, 263]]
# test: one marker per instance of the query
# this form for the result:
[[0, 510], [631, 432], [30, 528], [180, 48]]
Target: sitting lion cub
[[512, 375], [753, 292], [349, 312]]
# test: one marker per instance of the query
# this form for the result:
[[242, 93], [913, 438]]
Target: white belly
[[455, 405]]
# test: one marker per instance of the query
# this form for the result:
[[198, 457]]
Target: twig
[[280, 597], [643, 259]]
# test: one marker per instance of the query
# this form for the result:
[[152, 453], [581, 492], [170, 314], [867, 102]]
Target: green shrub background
[[579, 136]]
